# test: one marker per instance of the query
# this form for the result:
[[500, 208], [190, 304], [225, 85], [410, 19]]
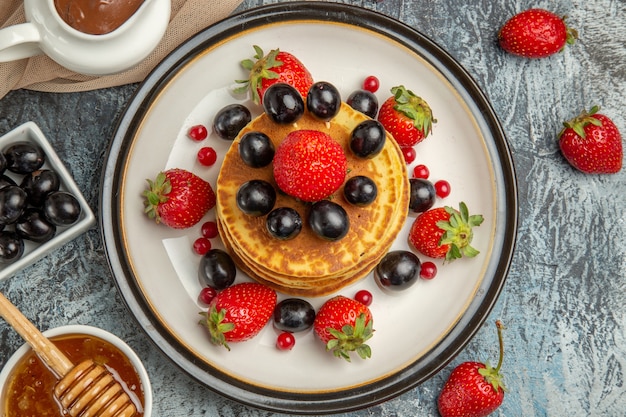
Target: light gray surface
[[564, 303]]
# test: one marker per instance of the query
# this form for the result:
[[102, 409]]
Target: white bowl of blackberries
[[41, 207]]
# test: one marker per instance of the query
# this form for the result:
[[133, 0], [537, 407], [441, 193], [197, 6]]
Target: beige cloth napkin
[[43, 74]]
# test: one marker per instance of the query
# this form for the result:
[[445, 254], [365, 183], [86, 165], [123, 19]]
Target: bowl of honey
[[27, 385]]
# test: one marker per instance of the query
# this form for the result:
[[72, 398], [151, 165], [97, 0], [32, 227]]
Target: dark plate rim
[[336, 401]]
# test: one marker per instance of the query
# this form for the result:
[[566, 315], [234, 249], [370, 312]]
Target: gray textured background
[[564, 303]]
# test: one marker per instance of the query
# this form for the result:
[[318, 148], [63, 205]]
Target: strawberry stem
[[492, 375], [500, 327]]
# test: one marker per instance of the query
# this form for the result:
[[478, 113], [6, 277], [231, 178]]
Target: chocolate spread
[[96, 17]]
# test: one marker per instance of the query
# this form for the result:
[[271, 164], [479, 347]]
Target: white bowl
[[30, 132], [91, 331]]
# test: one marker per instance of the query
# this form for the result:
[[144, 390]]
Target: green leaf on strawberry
[[156, 194], [351, 339], [276, 66], [458, 232], [578, 123], [261, 69], [214, 322]]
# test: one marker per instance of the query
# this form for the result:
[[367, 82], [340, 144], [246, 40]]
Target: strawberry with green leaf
[[445, 232], [592, 144], [536, 33], [178, 198], [474, 389], [406, 116], [344, 325], [275, 67], [239, 313]]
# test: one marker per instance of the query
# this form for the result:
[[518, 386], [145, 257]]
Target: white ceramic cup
[[46, 32], [91, 331]]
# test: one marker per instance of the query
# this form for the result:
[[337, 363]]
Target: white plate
[[417, 331]]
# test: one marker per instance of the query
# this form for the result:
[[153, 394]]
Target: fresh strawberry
[[344, 325], [239, 312], [536, 33], [406, 116], [275, 67], [592, 143], [178, 198], [473, 388], [445, 232], [309, 165]]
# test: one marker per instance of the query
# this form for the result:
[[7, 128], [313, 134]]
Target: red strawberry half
[[309, 165], [406, 116], [344, 325], [445, 232], [178, 198], [238, 313], [275, 67], [473, 388], [592, 143], [535, 33]]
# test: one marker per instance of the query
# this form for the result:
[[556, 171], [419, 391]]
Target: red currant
[[421, 171], [371, 84], [442, 188], [202, 245], [409, 154], [209, 230], [428, 270], [364, 297], [285, 341], [198, 132], [207, 294], [207, 156]]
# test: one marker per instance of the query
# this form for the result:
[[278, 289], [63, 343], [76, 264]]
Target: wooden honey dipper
[[84, 390]]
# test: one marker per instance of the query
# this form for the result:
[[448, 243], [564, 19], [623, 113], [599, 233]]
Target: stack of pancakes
[[308, 265]]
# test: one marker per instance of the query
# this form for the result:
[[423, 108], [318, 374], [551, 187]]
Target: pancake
[[308, 265]]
